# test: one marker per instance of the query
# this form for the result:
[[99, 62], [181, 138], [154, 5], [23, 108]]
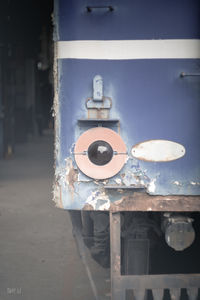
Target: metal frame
[[140, 283]]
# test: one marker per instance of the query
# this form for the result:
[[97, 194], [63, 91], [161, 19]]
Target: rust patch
[[145, 202], [57, 196], [100, 110], [72, 177], [88, 207]]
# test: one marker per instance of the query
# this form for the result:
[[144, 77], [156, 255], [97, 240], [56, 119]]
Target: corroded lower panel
[[145, 202]]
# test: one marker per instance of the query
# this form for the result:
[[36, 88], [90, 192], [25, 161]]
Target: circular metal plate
[[113, 166]]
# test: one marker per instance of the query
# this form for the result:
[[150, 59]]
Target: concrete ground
[[38, 255]]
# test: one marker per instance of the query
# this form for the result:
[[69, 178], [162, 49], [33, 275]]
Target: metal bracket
[[106, 103], [98, 106]]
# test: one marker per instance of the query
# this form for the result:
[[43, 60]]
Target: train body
[[127, 104]]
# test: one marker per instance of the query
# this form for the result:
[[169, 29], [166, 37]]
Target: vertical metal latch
[[97, 88], [98, 106]]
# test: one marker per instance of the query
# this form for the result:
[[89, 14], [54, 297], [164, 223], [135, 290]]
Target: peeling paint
[[151, 186], [71, 150], [59, 176], [130, 178], [134, 175], [57, 197], [98, 200], [71, 174], [149, 209], [104, 182], [194, 183], [83, 178], [177, 183], [118, 181], [55, 110], [127, 158]]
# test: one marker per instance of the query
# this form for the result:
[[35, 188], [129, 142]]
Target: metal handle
[[91, 8], [183, 74]]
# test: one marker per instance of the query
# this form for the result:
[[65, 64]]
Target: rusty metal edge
[[57, 193], [146, 202]]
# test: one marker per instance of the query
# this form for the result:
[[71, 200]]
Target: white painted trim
[[130, 49]]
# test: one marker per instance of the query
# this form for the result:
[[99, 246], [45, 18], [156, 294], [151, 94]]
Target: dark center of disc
[[100, 153]]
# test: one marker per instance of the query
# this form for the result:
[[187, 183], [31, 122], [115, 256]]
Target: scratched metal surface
[[149, 97]]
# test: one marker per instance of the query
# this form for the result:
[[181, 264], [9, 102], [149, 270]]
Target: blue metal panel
[[152, 102], [138, 19], [150, 99]]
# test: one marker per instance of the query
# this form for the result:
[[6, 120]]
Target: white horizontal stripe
[[129, 49]]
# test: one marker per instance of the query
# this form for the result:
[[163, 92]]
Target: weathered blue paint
[[138, 19], [150, 99]]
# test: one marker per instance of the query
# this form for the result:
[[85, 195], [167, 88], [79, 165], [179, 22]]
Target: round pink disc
[[113, 166]]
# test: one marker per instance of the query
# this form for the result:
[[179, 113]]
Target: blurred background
[[26, 79], [38, 255]]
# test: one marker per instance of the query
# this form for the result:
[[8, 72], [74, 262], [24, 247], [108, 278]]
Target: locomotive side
[[127, 127]]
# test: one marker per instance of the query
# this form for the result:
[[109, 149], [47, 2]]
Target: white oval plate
[[158, 151]]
